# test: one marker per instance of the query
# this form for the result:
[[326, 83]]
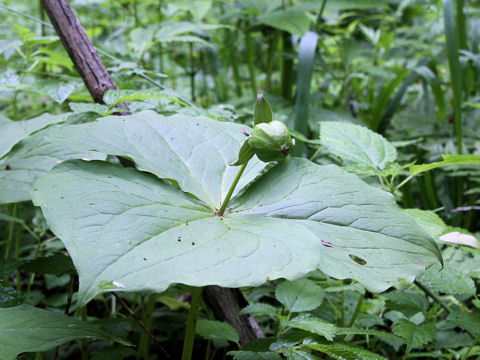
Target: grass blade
[[306, 55], [455, 69]]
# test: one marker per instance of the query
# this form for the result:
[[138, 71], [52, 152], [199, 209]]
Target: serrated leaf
[[7, 267], [9, 297], [467, 321], [29, 160], [147, 234], [447, 280], [342, 351], [448, 160], [88, 107], [414, 335], [115, 97], [170, 29], [27, 329], [429, 221], [357, 144], [252, 355], [216, 330], [312, 324], [59, 92], [259, 309], [299, 295], [14, 131], [408, 301], [391, 339], [298, 355]]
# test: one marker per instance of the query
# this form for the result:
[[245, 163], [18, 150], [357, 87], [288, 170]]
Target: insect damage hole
[[357, 259]]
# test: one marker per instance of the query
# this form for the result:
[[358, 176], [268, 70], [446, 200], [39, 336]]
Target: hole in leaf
[[357, 259]]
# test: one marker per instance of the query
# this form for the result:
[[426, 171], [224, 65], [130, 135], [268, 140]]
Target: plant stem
[[10, 232], [191, 323], [272, 47], [474, 342], [251, 62], [356, 311], [221, 211], [231, 40], [192, 71], [84, 343], [404, 182], [147, 318], [67, 310], [433, 296], [287, 66]]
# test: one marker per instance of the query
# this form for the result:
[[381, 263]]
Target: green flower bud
[[271, 141], [262, 112]]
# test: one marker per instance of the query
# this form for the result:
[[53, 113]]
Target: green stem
[[251, 62], [404, 182], [230, 40], [10, 232], [147, 320], [356, 311], [319, 17], [191, 323], [433, 296], [272, 47], [287, 66], [84, 343], [474, 342], [430, 190], [221, 211], [192, 71]]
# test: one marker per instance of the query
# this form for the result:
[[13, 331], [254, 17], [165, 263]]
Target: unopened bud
[[262, 112], [271, 141]]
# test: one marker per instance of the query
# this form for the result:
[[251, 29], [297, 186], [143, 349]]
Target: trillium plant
[[208, 205]]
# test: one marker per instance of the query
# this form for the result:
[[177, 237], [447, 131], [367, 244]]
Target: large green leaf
[[195, 152], [30, 159], [357, 144], [291, 20], [130, 231], [26, 329], [14, 131]]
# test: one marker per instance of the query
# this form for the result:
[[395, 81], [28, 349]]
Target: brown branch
[[79, 48], [225, 303]]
